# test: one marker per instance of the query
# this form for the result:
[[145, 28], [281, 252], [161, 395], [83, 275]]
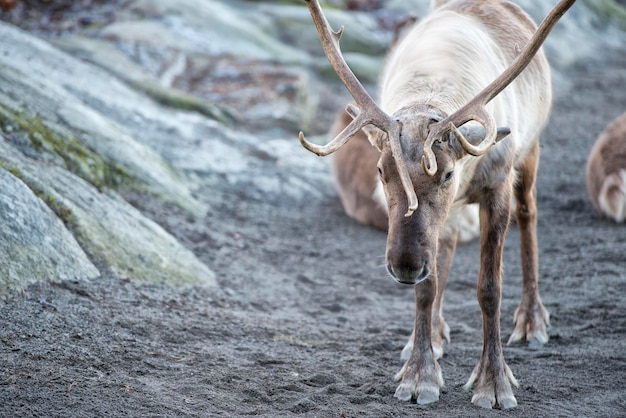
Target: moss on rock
[[78, 158]]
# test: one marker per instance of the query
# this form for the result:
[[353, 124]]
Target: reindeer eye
[[380, 173]]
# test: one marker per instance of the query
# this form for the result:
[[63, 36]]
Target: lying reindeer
[[432, 85], [606, 171]]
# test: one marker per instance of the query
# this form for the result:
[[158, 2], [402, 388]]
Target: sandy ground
[[306, 322]]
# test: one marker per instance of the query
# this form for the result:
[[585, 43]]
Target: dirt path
[[306, 321]]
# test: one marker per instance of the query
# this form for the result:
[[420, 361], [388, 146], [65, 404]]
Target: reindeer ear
[[374, 135], [502, 133]]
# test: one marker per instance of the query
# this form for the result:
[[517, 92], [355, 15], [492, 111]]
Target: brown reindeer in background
[[606, 171], [440, 149], [354, 167]]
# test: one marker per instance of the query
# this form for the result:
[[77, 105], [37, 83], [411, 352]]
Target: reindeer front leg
[[421, 374], [492, 377], [440, 331], [445, 253]]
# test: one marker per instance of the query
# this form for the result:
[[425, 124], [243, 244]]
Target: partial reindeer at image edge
[[606, 171]]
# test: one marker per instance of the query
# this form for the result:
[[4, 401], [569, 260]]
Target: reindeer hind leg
[[531, 317]]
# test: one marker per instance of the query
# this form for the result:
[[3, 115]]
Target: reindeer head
[[420, 149], [412, 239]]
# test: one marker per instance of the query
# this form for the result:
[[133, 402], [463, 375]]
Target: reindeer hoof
[[488, 403], [427, 396], [404, 393], [508, 403], [482, 402]]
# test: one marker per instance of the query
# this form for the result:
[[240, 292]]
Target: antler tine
[[475, 108], [485, 119], [343, 137], [429, 163], [401, 165]]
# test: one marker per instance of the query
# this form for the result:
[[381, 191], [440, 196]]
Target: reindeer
[[606, 171], [436, 132]]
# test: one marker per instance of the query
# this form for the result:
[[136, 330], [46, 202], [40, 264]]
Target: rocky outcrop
[[35, 243], [59, 139]]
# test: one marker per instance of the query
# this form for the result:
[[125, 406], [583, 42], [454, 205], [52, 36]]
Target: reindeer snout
[[407, 274]]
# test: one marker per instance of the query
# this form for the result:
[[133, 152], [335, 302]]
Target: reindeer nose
[[407, 274]]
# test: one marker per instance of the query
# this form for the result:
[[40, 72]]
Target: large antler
[[475, 108], [369, 113]]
